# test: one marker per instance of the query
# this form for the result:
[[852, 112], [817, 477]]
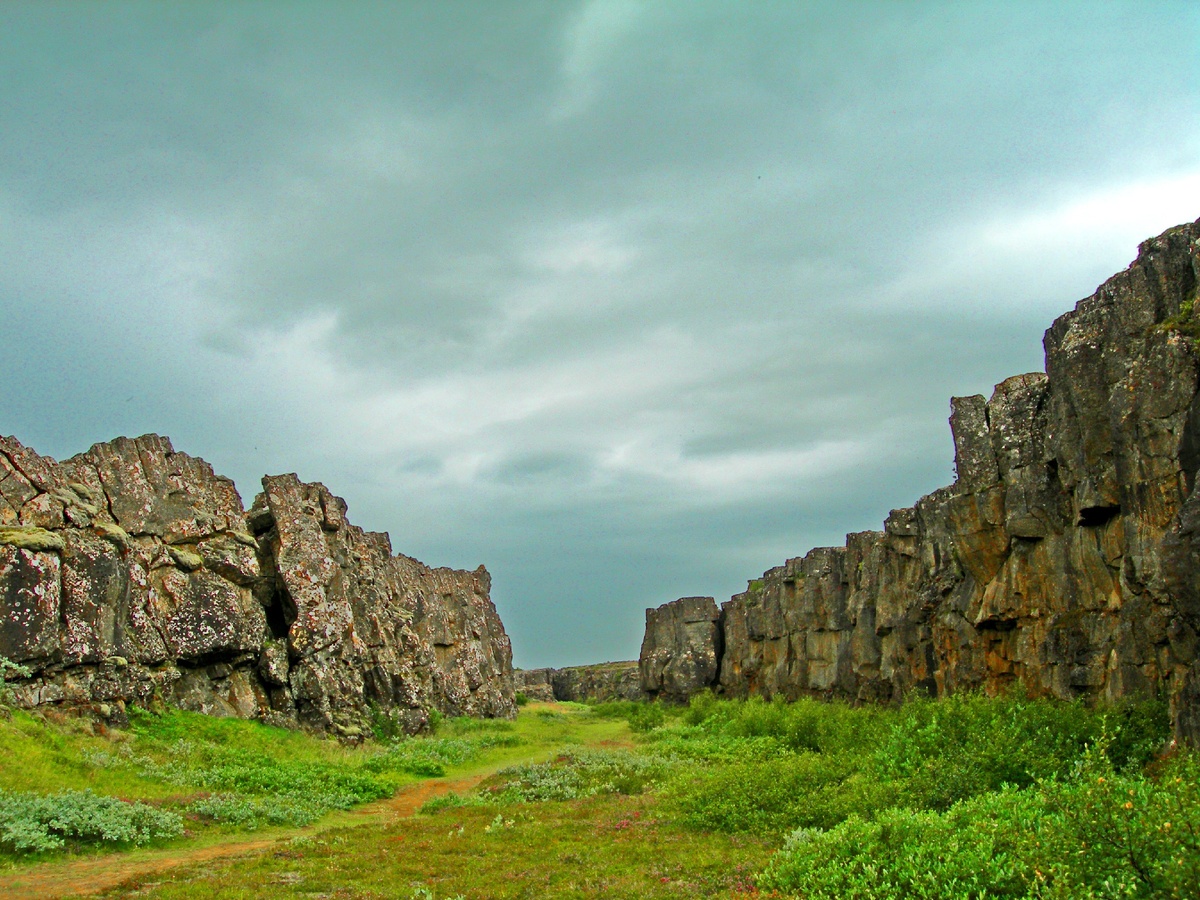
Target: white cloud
[[588, 44], [1033, 258]]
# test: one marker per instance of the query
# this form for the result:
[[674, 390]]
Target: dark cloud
[[627, 300]]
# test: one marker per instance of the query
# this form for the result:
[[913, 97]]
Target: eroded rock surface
[[600, 682], [132, 573], [682, 648], [1066, 554]]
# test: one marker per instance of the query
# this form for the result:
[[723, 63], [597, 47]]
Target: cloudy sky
[[626, 300]]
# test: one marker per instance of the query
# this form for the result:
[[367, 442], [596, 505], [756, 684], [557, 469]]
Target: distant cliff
[[598, 682], [132, 573], [1066, 554]]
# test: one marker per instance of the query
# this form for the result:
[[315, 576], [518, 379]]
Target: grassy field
[[969, 797]]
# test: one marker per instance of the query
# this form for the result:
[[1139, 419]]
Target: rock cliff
[[132, 573], [599, 682], [1065, 555]]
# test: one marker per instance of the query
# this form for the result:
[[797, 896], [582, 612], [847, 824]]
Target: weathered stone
[[598, 683], [535, 684], [1066, 555], [682, 648], [30, 537], [974, 456], [365, 626], [133, 556], [30, 606]]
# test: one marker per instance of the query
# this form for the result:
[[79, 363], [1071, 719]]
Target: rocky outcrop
[[535, 684], [682, 648], [132, 573], [1065, 556], [596, 683]]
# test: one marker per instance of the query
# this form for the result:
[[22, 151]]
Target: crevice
[[996, 625], [271, 590], [1095, 516]]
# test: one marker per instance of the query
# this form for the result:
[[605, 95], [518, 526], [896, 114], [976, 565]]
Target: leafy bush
[[775, 794], [521, 698], [645, 717], [251, 812], [904, 854], [1096, 834], [386, 725], [1123, 834], [577, 774], [429, 757], [771, 766], [36, 822], [950, 749], [804, 724]]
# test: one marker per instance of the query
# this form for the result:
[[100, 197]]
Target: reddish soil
[[81, 877]]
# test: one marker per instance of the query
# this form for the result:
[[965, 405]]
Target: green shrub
[[774, 794], [804, 724], [1098, 833], [950, 749], [1124, 834], [521, 698], [645, 717], [36, 822], [579, 773], [252, 812], [903, 854], [385, 725]]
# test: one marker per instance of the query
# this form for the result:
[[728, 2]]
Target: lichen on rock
[[136, 553]]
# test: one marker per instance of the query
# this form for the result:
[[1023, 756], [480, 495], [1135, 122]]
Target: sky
[[628, 301]]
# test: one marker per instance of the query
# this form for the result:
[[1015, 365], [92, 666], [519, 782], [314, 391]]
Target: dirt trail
[[81, 877]]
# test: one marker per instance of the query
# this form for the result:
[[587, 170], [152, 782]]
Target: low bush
[[579, 773], [38, 822], [1099, 833], [775, 794], [252, 812]]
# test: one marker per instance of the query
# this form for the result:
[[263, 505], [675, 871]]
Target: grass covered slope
[[969, 797]]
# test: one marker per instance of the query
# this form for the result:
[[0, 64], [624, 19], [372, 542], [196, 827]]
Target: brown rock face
[[1065, 555], [132, 571]]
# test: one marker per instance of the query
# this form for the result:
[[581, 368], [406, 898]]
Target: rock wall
[[132, 573], [599, 682], [1066, 554], [682, 648]]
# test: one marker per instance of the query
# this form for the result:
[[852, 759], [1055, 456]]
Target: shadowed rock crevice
[[1065, 556]]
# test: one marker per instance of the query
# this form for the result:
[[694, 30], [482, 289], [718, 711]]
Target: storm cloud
[[627, 301]]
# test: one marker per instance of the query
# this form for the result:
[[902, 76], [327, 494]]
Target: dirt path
[[81, 877]]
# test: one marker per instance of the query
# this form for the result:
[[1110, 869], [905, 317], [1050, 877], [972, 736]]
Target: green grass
[[970, 797], [604, 846]]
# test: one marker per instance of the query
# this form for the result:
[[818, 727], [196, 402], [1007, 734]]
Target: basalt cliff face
[[1066, 554], [596, 683], [132, 574]]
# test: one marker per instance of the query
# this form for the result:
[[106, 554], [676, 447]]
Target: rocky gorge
[[1064, 557], [132, 573]]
